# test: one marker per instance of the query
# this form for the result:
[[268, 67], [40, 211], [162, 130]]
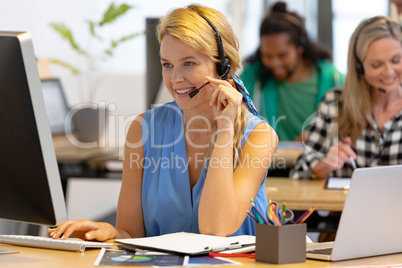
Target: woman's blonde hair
[[357, 99], [187, 25]]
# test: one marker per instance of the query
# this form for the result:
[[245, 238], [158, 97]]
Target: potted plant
[[93, 59], [89, 115]]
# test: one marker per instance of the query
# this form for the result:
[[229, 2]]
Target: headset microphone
[[195, 92], [382, 90]]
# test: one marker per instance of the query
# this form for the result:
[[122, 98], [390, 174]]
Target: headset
[[223, 65], [359, 64], [296, 24]]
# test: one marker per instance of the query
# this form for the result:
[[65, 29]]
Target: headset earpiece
[[359, 65], [223, 65], [302, 35], [223, 68]]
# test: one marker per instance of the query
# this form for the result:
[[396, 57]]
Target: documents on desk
[[190, 243], [126, 258], [338, 183], [109, 257]]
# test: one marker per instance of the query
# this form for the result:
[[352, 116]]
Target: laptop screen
[[56, 105]]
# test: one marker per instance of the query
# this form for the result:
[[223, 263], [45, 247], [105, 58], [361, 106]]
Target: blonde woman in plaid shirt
[[367, 111]]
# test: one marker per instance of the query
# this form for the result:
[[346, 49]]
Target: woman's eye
[[189, 63], [166, 65], [396, 60], [375, 65]]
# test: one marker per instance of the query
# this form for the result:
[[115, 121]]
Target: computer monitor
[[30, 185], [154, 67]]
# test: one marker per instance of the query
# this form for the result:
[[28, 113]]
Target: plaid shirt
[[372, 147]]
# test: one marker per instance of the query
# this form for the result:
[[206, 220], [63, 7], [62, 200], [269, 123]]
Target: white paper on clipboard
[[338, 183], [190, 243]]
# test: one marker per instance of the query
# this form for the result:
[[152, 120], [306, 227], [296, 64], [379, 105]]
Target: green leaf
[[66, 34], [66, 65], [109, 52], [113, 13], [115, 43], [92, 26]]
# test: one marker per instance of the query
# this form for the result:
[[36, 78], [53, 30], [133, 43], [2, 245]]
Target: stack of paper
[[190, 243]]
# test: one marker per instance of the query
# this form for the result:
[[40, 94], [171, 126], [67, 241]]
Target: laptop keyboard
[[323, 251]]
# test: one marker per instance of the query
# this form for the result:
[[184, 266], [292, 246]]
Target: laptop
[[56, 106], [371, 219]]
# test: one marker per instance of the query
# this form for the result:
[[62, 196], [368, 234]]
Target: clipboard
[[190, 243], [338, 183]]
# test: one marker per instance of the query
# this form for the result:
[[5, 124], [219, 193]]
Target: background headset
[[286, 22], [359, 64], [223, 65], [297, 24]]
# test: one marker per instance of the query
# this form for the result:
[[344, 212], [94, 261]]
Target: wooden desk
[[287, 154], [66, 152], [303, 194], [44, 258]]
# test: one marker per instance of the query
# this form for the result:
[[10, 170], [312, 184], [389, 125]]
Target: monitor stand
[[4, 250]]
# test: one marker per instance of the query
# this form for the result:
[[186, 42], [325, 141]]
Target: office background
[[124, 76], [123, 82]]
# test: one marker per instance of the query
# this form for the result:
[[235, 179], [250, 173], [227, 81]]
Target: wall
[[122, 78]]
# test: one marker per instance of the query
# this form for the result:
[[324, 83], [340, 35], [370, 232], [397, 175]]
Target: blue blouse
[[169, 204]]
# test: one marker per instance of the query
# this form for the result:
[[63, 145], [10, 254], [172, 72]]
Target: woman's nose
[[177, 76], [388, 69]]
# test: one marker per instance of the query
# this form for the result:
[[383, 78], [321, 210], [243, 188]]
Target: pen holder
[[281, 244]]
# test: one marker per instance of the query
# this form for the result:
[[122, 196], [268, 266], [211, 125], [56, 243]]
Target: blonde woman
[[192, 165], [361, 124]]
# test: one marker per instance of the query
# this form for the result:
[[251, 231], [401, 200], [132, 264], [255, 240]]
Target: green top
[[296, 102], [293, 100]]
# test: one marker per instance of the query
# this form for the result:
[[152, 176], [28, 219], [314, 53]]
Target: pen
[[258, 212], [304, 216], [283, 212], [247, 255], [252, 216], [351, 160], [257, 216], [131, 249], [233, 245]]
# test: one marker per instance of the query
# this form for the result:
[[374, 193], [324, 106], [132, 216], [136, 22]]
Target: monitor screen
[[30, 185], [56, 106]]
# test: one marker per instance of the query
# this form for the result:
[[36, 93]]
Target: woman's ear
[[300, 50]]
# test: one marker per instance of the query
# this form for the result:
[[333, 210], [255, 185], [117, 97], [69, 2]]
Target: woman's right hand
[[338, 154], [83, 229]]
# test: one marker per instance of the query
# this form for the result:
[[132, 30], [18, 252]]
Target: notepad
[[338, 183], [190, 243]]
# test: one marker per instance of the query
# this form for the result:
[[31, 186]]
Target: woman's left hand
[[225, 99]]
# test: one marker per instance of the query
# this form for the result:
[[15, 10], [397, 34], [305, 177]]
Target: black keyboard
[[323, 251]]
